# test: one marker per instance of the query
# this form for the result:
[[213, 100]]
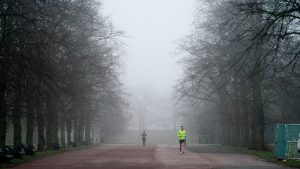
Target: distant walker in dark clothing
[[144, 137]]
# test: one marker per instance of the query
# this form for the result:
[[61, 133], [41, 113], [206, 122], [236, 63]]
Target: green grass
[[14, 162], [291, 163], [267, 155]]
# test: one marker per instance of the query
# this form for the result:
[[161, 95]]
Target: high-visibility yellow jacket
[[181, 134]]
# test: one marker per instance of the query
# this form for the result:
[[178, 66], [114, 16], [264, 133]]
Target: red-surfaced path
[[148, 157]]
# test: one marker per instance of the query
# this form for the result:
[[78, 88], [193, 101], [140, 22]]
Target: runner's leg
[[183, 146], [180, 144]]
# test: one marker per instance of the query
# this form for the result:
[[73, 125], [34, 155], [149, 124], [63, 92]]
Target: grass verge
[[267, 155], [27, 158], [14, 161]]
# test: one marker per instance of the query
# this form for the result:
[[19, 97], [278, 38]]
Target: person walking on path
[[144, 137], [182, 139]]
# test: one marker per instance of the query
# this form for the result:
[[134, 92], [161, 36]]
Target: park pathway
[[148, 157]]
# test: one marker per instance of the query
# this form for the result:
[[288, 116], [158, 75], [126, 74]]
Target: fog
[[86, 72], [93, 70], [229, 94], [152, 29]]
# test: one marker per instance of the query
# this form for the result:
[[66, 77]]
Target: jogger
[[182, 139], [144, 137]]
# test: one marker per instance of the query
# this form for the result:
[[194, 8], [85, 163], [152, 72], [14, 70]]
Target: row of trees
[[59, 69], [241, 69]]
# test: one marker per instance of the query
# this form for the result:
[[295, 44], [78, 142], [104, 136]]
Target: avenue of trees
[[241, 69], [59, 72]]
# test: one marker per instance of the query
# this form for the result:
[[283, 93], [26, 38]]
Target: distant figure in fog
[[144, 137], [182, 139], [101, 139]]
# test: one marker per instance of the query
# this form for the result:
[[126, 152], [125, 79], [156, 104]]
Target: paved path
[[148, 157]]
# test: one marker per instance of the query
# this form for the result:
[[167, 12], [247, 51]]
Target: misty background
[[152, 30], [90, 72]]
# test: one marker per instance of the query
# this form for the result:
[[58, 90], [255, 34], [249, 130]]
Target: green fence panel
[[286, 137]]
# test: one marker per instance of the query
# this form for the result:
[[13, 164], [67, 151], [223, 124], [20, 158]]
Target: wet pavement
[[149, 157]]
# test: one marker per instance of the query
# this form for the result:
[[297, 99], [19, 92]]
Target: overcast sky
[[153, 27]]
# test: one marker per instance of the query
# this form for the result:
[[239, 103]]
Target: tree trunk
[[75, 126], [49, 122], [257, 117], [225, 118], [253, 138], [54, 123], [225, 127], [54, 128], [41, 125], [236, 115], [3, 123], [69, 131], [87, 129], [257, 88], [3, 81], [30, 126], [252, 132], [236, 125], [244, 122], [17, 118], [259, 112], [81, 129], [231, 128], [63, 131]]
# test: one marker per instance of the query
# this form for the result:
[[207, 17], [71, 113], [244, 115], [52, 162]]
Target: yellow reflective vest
[[181, 134]]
